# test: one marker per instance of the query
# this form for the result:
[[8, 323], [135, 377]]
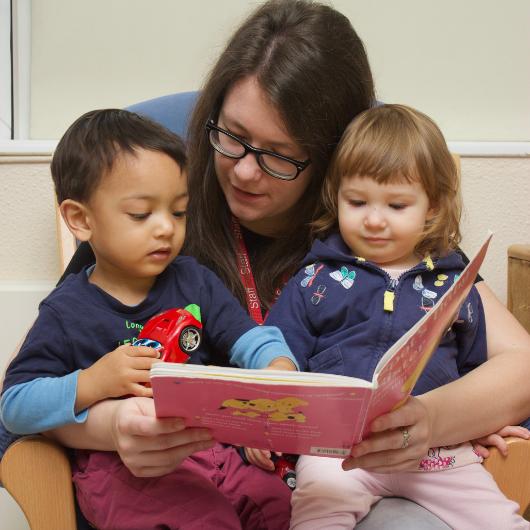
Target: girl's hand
[[497, 440], [261, 458], [385, 450], [151, 446]]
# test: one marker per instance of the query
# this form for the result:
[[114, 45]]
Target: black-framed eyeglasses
[[275, 165]]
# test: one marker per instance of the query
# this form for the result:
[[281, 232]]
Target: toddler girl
[[393, 206]]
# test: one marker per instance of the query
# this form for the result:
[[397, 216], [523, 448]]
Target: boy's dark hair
[[94, 141]]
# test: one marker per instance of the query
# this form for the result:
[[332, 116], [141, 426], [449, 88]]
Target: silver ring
[[406, 437]]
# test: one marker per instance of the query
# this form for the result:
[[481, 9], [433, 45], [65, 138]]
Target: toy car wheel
[[189, 339], [290, 479]]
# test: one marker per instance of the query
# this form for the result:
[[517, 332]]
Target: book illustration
[[283, 409], [267, 409]]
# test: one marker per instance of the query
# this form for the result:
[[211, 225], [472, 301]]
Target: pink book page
[[402, 365], [287, 418]]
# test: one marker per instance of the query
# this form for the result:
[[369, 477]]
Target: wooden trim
[[511, 472], [36, 473], [519, 252], [519, 283]]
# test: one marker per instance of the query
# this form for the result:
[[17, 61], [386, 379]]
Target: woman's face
[[262, 203]]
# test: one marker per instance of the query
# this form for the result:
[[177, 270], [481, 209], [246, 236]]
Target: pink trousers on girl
[[466, 498]]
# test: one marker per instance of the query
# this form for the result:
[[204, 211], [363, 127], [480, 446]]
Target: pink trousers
[[211, 489], [466, 498]]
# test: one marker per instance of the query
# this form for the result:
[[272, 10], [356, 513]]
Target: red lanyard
[[245, 271]]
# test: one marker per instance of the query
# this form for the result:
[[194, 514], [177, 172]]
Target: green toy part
[[195, 310]]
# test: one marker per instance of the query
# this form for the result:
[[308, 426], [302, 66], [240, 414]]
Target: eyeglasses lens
[[274, 166], [226, 145]]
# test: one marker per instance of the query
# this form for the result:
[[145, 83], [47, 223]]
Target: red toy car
[[285, 468], [176, 333]]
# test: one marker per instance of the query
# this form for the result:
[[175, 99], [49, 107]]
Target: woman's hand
[[151, 446], [388, 448]]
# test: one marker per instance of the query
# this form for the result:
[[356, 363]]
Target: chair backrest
[[172, 111]]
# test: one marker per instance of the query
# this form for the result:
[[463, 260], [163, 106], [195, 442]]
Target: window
[[15, 41]]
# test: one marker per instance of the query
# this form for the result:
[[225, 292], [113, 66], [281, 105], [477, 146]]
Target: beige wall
[[463, 62], [496, 195], [28, 248]]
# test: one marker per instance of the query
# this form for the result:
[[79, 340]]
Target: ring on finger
[[406, 437]]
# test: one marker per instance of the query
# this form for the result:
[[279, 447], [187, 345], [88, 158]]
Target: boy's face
[[383, 222], [137, 216]]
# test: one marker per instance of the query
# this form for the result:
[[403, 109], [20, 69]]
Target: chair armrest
[[36, 472], [512, 472], [519, 283]]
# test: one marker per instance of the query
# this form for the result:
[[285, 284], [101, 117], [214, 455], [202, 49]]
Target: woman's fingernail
[[349, 464]]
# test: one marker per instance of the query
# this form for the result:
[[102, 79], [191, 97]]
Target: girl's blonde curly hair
[[392, 143]]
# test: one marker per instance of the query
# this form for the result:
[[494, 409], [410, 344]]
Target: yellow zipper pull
[[388, 304]]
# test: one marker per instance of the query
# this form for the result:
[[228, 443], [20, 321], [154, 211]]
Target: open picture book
[[299, 412]]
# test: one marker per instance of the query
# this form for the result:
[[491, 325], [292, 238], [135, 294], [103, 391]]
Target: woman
[[273, 108]]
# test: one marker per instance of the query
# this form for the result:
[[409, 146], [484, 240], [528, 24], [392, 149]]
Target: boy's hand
[[118, 373], [260, 457], [497, 440], [282, 363]]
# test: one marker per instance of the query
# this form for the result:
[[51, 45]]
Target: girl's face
[[383, 223], [262, 203]]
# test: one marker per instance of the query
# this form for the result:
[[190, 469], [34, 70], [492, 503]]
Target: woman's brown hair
[[390, 143], [313, 67]]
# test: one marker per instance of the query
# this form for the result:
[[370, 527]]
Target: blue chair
[[172, 111]]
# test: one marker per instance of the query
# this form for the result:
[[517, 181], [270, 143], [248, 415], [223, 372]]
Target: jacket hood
[[333, 248]]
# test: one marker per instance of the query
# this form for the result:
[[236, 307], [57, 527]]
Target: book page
[[318, 420]]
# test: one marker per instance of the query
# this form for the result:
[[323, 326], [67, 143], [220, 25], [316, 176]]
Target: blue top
[[78, 323], [333, 317]]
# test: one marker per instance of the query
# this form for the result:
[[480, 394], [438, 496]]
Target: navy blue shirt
[[78, 322], [333, 318]]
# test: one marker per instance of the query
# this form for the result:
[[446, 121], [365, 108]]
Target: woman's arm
[[147, 445], [493, 395]]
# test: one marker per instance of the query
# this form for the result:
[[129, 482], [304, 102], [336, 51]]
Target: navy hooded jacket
[[333, 316]]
